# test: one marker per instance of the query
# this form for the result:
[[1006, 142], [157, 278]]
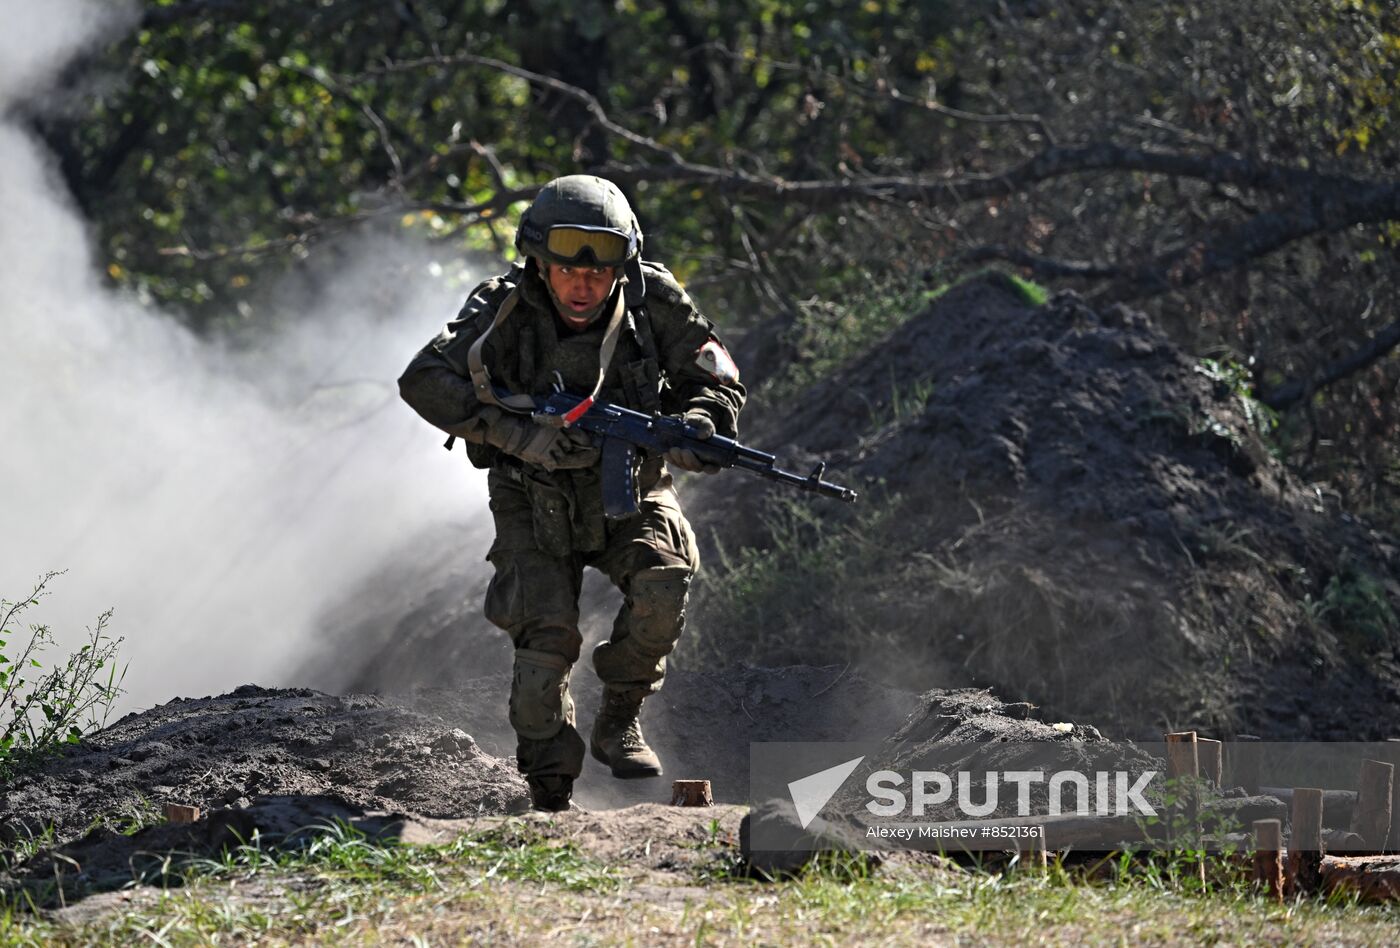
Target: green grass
[[336, 872], [842, 321], [512, 884], [815, 558], [1030, 292]]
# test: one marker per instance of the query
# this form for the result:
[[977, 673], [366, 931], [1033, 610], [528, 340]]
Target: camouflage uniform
[[550, 524]]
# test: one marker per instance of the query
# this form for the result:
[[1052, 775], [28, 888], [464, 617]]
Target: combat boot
[[550, 792], [617, 738]]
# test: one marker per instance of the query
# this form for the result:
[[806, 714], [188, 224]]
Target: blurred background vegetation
[[811, 170]]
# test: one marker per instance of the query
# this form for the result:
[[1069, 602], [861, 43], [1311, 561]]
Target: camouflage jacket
[[659, 365]]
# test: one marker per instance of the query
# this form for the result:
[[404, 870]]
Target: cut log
[[1338, 805], [1335, 840], [1373, 878], [691, 793], [179, 813]]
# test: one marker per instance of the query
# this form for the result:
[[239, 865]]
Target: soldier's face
[[580, 291]]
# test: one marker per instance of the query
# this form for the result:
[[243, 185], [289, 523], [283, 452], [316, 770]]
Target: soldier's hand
[[687, 459], [544, 446], [575, 449]]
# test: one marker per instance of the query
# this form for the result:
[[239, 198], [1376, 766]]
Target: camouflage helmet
[[580, 219]]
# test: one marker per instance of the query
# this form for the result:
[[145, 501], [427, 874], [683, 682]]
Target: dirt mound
[[1062, 505], [225, 752], [282, 762], [298, 757]]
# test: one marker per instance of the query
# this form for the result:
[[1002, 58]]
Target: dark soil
[[1061, 505], [281, 761]]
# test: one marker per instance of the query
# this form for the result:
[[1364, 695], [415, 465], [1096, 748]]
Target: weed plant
[[41, 714]]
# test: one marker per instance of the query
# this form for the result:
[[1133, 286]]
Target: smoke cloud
[[220, 500]]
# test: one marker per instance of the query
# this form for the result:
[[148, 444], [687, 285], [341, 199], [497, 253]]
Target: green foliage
[[840, 322], [905, 401], [343, 854], [1237, 380], [802, 582], [1356, 604], [1033, 293], [235, 142], [42, 714]]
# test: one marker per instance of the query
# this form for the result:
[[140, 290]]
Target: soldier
[[585, 311]]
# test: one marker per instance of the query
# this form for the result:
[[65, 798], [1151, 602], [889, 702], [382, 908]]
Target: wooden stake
[[1212, 759], [179, 813], [1371, 818], [1268, 857], [1305, 841], [1181, 754], [1183, 770], [1392, 755], [691, 793]]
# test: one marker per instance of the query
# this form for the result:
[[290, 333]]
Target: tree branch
[[1296, 390], [1039, 265]]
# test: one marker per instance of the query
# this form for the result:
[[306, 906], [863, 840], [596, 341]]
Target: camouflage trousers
[[534, 595]]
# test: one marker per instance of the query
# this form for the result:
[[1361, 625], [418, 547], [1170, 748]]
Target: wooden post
[[1244, 762], [179, 813], [1268, 857], [1183, 771], [1371, 818], [1392, 754], [691, 793], [1305, 841], [1211, 755]]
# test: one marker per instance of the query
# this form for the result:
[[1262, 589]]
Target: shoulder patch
[[715, 360]]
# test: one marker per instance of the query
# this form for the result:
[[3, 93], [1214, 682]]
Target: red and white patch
[[713, 358]]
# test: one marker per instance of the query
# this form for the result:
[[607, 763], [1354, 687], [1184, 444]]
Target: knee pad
[[540, 704], [656, 608]]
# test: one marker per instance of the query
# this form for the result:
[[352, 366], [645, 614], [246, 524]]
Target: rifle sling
[[525, 404]]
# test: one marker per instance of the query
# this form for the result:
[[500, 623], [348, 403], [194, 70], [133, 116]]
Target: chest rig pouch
[[567, 505]]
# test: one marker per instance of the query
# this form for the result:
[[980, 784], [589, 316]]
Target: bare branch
[[1041, 266], [1296, 390]]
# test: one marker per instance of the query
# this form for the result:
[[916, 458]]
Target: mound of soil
[[224, 752], [1060, 504], [285, 761], [1057, 503]]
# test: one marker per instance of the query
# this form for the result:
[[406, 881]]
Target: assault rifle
[[622, 431]]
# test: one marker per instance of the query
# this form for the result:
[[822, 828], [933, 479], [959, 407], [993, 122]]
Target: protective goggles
[[572, 243]]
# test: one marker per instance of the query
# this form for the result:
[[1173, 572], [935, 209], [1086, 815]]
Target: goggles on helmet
[[575, 243]]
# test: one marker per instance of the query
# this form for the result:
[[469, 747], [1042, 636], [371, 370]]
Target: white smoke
[[218, 500]]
